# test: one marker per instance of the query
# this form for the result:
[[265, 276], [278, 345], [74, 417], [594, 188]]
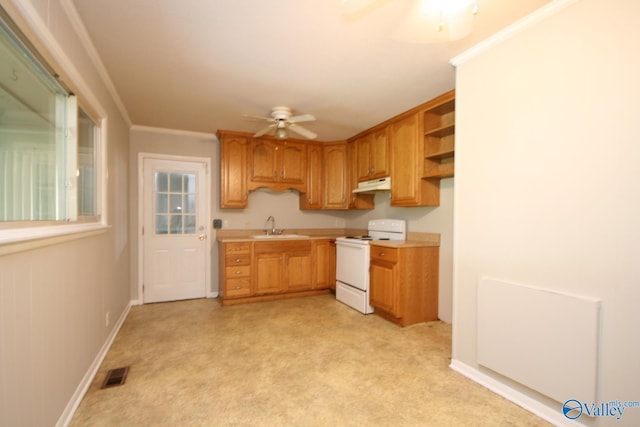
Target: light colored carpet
[[298, 362]]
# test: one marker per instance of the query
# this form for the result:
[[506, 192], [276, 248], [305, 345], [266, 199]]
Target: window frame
[[22, 235]]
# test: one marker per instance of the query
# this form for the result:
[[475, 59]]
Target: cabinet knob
[[238, 272], [381, 254], [237, 260], [238, 287]]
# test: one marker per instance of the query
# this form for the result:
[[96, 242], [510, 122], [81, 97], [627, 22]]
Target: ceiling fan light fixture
[[281, 133], [437, 21]]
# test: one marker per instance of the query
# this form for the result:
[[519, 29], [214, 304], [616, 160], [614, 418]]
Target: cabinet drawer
[[239, 271], [238, 288], [240, 259], [237, 248], [384, 254]]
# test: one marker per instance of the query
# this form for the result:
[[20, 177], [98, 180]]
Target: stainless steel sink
[[279, 236]]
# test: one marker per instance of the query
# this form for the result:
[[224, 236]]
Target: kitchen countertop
[[406, 243], [227, 236], [414, 239]]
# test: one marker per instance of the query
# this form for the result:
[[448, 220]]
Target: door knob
[[202, 236]]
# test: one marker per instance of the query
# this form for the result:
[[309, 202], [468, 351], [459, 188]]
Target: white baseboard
[[82, 388], [554, 416]]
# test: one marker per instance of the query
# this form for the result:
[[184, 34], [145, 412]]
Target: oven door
[[352, 264]]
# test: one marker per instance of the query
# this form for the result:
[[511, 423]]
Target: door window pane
[[176, 183], [162, 203], [175, 195]]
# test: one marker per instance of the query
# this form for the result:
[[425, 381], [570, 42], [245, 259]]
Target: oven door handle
[[351, 245]]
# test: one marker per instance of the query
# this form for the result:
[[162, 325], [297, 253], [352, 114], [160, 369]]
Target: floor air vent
[[115, 377]]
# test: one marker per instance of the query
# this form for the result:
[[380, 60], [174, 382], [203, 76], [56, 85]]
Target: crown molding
[[83, 35], [517, 27], [165, 131]]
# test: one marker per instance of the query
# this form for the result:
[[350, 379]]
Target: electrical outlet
[[106, 319]]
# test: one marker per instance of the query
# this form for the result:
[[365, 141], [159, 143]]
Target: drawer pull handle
[[381, 254], [238, 287], [237, 260], [238, 272]]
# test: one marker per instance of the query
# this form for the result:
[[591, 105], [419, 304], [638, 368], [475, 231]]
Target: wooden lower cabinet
[[235, 270], [404, 283], [325, 264], [258, 271]]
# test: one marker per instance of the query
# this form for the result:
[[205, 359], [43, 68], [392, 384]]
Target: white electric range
[[352, 261]]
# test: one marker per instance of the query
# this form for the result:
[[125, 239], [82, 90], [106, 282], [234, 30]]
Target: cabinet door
[[293, 163], [268, 273], [364, 146], [325, 264], [312, 197], [298, 272], [383, 287], [407, 159], [404, 136], [379, 154], [336, 176], [233, 171], [263, 167]]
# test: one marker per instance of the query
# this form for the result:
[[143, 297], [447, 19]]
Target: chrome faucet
[[273, 225]]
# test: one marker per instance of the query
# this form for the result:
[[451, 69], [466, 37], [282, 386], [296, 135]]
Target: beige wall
[[547, 180], [54, 299]]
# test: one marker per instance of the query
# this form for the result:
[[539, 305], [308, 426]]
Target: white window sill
[[22, 239]]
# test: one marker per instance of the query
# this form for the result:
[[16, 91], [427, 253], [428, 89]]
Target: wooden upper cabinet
[[373, 155], [407, 157], [278, 165], [439, 137], [264, 162], [294, 164], [336, 177], [356, 200], [233, 170], [312, 197]]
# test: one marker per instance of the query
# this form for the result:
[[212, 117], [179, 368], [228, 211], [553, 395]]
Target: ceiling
[[197, 65]]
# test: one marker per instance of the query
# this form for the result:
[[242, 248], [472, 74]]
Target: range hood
[[380, 184]]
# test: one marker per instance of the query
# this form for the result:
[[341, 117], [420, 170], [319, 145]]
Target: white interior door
[[175, 230]]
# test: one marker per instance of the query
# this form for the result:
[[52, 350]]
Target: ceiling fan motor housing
[[281, 113]]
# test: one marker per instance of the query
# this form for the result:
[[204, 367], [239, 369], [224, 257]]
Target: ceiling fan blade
[[264, 130], [301, 118], [302, 131], [252, 117]]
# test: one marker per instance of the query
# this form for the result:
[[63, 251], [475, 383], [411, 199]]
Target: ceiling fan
[[282, 121]]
